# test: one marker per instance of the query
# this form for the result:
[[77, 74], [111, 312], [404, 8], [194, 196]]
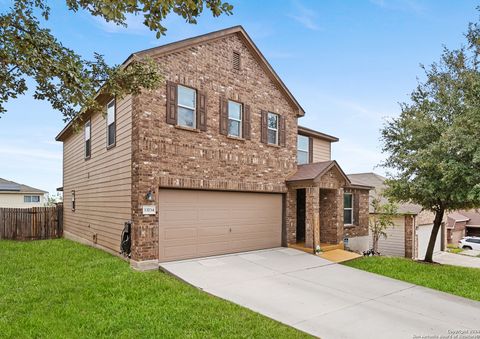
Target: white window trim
[[114, 122], [188, 107], [349, 209], [240, 132], [307, 151], [31, 196], [89, 124], [273, 129]]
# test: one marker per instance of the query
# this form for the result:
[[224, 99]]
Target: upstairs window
[[187, 99], [31, 198], [348, 209], [235, 117], [272, 128], [111, 126], [303, 144], [88, 137]]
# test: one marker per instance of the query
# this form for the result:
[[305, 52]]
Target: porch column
[[339, 215], [312, 217], [291, 216]]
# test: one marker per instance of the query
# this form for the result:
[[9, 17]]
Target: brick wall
[[167, 156], [360, 227]]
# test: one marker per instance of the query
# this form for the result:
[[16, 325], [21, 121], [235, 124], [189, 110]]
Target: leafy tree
[[382, 218], [63, 77], [433, 147]]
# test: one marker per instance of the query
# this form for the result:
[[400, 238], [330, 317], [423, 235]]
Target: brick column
[[409, 238], [291, 216], [339, 215], [312, 221]]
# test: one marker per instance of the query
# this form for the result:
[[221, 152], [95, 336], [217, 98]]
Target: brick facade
[[165, 156]]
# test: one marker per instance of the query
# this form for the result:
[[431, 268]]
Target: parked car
[[470, 243]]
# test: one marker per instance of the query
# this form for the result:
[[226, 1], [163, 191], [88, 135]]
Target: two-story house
[[213, 162]]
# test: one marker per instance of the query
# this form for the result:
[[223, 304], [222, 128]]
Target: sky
[[349, 64]]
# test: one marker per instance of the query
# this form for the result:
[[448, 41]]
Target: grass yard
[[61, 289], [462, 281]]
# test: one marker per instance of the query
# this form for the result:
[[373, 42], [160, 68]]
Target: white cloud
[[400, 5], [354, 157], [305, 16], [13, 152], [134, 25]]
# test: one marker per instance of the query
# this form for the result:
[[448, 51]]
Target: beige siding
[[394, 244], [15, 200], [102, 183], [321, 150]]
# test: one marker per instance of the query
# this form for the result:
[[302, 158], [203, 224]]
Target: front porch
[[315, 208]]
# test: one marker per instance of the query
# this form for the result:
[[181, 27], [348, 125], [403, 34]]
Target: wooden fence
[[31, 223]]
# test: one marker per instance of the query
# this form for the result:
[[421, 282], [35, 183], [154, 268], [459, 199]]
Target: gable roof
[[7, 186], [378, 182], [209, 37], [316, 134]]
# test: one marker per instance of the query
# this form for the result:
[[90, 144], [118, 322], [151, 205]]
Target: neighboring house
[[207, 164], [410, 236], [14, 195], [462, 223]]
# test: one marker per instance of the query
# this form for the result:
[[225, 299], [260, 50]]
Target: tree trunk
[[375, 242], [433, 237]]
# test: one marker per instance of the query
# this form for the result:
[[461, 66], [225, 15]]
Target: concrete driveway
[[454, 259], [327, 299]]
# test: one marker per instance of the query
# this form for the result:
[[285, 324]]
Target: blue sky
[[348, 63]]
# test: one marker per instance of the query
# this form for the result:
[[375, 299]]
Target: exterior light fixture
[[149, 195]]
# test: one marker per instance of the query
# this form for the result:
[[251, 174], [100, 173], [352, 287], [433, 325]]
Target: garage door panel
[[179, 233], [202, 223]]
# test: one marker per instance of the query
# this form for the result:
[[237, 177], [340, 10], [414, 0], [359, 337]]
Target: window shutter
[[171, 103], [264, 131], [356, 208], [246, 122], [282, 131], [310, 150], [202, 111], [223, 116]]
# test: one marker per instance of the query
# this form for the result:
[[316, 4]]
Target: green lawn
[[462, 281], [58, 289]]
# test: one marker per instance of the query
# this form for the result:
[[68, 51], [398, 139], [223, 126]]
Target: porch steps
[[324, 247], [339, 255]]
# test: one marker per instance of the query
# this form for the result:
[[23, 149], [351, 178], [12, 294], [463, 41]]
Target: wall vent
[[236, 61]]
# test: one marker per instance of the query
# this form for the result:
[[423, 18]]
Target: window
[[235, 116], [111, 126], [236, 61], [187, 98], [475, 241], [31, 198], [88, 136], [272, 128], [348, 209], [73, 200], [303, 145]]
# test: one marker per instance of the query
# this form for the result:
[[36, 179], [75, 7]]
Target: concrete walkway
[[327, 299], [447, 258]]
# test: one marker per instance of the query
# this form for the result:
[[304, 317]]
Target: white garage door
[[204, 223], [423, 234], [394, 244]]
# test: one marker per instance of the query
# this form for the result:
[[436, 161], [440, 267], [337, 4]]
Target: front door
[[301, 212]]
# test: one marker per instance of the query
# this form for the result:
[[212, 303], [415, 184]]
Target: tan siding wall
[[15, 200], [321, 150], [394, 244], [102, 183]]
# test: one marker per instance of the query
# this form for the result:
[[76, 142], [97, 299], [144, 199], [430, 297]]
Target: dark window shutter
[[246, 122], [263, 129], [282, 131], [310, 150], [356, 208], [171, 103], [223, 116], [202, 111]]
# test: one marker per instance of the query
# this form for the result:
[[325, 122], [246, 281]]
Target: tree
[[63, 77], [382, 218], [434, 145]]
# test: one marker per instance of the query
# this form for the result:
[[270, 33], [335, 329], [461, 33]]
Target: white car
[[470, 243]]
